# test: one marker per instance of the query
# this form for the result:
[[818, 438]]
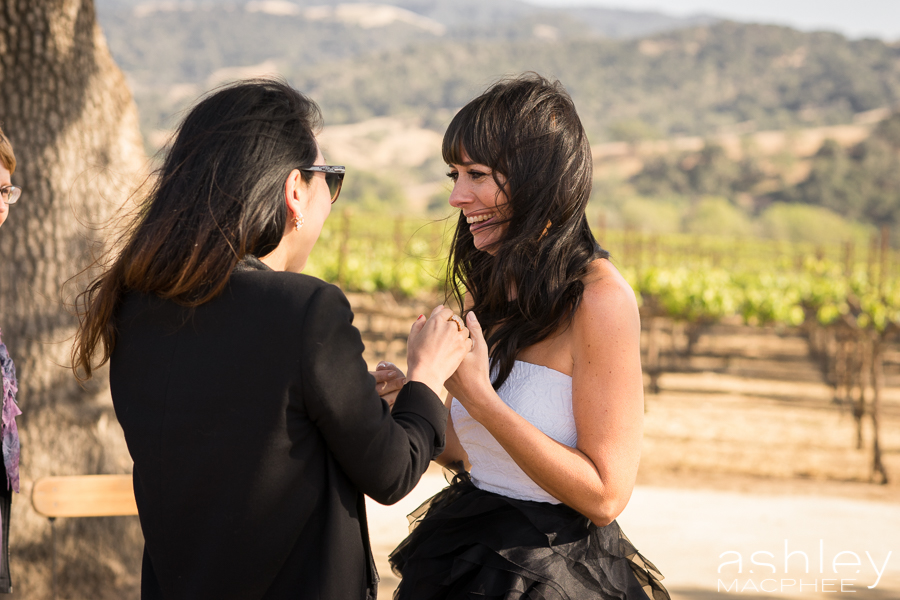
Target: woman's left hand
[[473, 376], [389, 379]]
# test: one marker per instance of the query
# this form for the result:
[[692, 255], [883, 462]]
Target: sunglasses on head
[[334, 177]]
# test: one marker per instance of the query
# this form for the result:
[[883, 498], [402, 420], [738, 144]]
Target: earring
[[298, 221]]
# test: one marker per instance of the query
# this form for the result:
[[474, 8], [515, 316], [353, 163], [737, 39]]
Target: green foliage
[[708, 172], [379, 251], [813, 224], [692, 81], [860, 183], [700, 287], [657, 216], [438, 201], [372, 192], [767, 297], [717, 216], [685, 277], [689, 81], [889, 130], [632, 131], [689, 295]]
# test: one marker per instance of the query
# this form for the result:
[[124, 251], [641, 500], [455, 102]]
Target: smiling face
[[481, 200]]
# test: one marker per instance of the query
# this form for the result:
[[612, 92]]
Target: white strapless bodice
[[540, 395]]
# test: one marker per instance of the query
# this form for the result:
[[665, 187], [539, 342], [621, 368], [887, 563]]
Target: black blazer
[[255, 430]]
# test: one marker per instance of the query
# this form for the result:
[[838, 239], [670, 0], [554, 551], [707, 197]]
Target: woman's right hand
[[471, 383], [436, 347]]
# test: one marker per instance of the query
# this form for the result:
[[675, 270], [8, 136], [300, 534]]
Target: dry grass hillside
[[402, 147]]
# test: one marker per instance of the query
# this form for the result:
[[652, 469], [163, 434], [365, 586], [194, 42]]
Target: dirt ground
[[751, 457], [741, 434]]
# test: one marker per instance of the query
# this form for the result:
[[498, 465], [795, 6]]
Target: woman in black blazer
[[253, 423]]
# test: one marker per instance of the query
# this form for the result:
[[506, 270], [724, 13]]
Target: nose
[[458, 197]]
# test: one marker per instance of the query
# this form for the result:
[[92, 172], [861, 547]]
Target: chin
[[487, 244], [486, 239]]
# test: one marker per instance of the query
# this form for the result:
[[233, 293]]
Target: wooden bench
[[82, 496]]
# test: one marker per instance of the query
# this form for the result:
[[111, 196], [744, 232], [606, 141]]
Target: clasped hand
[[472, 379], [462, 347], [389, 380], [437, 345]]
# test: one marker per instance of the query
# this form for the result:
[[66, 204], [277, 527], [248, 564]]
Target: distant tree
[[632, 131], [710, 172], [717, 216], [878, 175], [70, 116], [372, 192], [791, 222], [889, 130], [831, 183], [658, 215], [713, 172], [859, 183], [662, 175]]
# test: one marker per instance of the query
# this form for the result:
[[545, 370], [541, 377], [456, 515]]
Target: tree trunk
[[879, 472], [69, 114], [654, 367], [864, 355], [694, 330], [841, 379]]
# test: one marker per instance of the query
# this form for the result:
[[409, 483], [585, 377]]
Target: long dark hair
[[527, 131], [218, 196]]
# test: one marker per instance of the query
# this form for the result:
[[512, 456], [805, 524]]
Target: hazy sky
[[855, 18]]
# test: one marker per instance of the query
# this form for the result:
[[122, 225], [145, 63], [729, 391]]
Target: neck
[[276, 259]]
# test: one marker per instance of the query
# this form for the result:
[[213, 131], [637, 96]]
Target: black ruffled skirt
[[466, 542]]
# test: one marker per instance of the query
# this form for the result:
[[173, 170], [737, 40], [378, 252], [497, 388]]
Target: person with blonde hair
[[9, 434], [8, 192]]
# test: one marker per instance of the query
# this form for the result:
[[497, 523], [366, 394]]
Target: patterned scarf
[[9, 433]]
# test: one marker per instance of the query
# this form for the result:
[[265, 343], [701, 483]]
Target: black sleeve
[[383, 453]]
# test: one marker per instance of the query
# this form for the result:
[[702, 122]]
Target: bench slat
[[84, 496]]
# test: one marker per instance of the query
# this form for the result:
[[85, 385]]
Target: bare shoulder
[[607, 299], [607, 325]]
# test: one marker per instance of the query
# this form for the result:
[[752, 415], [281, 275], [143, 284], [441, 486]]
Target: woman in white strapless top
[[546, 412]]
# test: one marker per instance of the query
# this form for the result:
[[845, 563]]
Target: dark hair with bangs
[[218, 196], [527, 131]]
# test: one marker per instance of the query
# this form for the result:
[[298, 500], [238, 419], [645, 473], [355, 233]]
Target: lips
[[480, 220]]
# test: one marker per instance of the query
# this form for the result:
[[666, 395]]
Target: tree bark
[[653, 363], [879, 472], [70, 116], [864, 356]]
